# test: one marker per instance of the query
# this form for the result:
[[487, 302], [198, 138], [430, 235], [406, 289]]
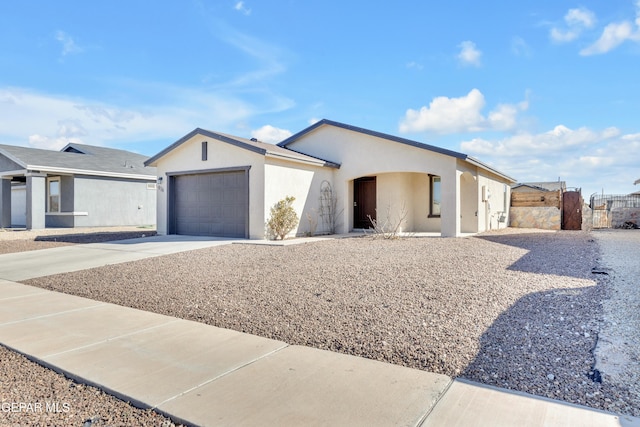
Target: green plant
[[283, 218]]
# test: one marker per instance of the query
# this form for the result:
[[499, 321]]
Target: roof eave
[[488, 168], [72, 171], [14, 159], [308, 161]]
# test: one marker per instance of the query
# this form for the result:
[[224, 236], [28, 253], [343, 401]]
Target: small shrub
[[283, 218]]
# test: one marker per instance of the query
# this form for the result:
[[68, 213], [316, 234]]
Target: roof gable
[[252, 145], [79, 158], [324, 122], [292, 139]]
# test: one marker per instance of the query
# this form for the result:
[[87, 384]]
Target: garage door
[[211, 204]]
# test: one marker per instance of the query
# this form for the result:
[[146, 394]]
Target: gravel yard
[[516, 310]]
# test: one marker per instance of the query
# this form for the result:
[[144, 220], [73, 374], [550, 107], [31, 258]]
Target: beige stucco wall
[[400, 192], [188, 157], [365, 155], [421, 208], [493, 213], [284, 178]]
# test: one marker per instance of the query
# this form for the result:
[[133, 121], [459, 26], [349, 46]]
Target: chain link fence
[[615, 210]]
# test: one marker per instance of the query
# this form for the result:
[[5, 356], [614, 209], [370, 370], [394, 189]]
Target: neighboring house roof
[[461, 156], [542, 186], [269, 150], [80, 159]]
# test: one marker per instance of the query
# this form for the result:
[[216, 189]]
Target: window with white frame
[[53, 194]]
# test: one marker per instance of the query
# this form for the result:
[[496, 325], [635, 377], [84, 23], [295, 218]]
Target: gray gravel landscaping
[[50, 399], [519, 310]]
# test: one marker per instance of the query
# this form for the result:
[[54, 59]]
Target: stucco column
[[36, 201], [450, 204], [5, 202]]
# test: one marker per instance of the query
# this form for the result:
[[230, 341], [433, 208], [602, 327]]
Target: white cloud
[[612, 36], [580, 17], [520, 47], [69, 46], [524, 144], [414, 65], [576, 20], [464, 114], [469, 55], [447, 115], [635, 137], [584, 157], [271, 134], [50, 121], [563, 36], [267, 56], [240, 7]]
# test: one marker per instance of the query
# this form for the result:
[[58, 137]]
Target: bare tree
[[389, 228]]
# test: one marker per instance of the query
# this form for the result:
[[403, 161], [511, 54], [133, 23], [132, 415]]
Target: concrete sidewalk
[[203, 375]]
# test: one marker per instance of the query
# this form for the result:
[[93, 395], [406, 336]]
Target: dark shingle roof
[[80, 158]]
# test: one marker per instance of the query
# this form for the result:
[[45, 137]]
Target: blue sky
[[538, 89]]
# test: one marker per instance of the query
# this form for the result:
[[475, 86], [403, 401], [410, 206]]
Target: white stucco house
[[211, 183]]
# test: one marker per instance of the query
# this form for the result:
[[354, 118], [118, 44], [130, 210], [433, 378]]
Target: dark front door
[[571, 210], [364, 201]]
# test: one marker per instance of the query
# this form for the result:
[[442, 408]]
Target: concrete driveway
[[45, 262]]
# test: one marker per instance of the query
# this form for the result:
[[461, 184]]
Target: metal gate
[[571, 210]]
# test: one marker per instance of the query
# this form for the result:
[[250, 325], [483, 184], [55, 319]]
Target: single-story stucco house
[[79, 186], [221, 185]]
